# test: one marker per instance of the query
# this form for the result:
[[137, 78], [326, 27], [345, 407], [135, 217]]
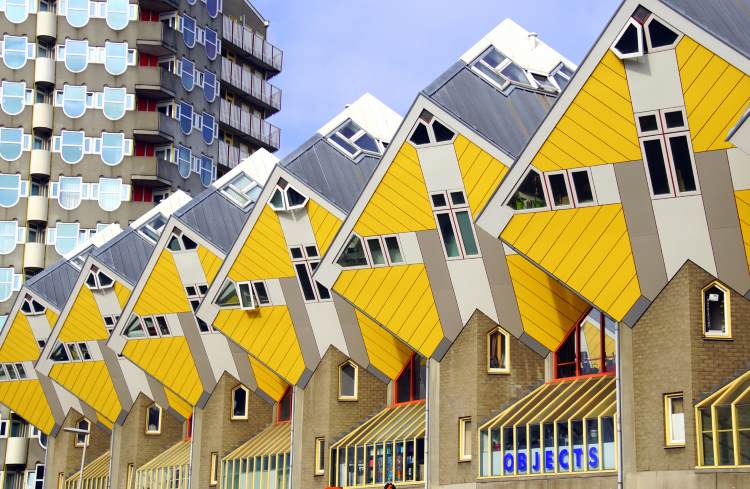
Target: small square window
[[438, 200], [648, 123], [674, 119], [296, 252]]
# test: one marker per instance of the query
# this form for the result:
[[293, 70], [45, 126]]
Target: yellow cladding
[[178, 404], [548, 309], [265, 254], [20, 344], [268, 334], [27, 398], [270, 383], [399, 204], [89, 381], [170, 362], [716, 94], [598, 127], [742, 198], [84, 321], [109, 424], [324, 225], [586, 248], [481, 172], [163, 292], [591, 333], [209, 262], [123, 293], [385, 352], [51, 317], [399, 298]]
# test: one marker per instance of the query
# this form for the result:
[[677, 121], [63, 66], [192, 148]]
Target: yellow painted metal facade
[[209, 262], [586, 248], [123, 294], [481, 173], [84, 321], [91, 382], [267, 380], [385, 352], [324, 225], [264, 254], [178, 404], [742, 199], [20, 344], [27, 398], [163, 292]]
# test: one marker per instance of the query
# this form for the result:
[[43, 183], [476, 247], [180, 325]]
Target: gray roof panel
[[214, 218], [55, 283], [126, 254]]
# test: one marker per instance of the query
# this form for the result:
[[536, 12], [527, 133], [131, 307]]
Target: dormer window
[[97, 280], [561, 75], [153, 228], [30, 307], [286, 198], [644, 32], [180, 242], [500, 70], [429, 130], [242, 190], [353, 141]]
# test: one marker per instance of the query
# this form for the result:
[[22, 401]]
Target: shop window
[[285, 407], [464, 439], [17, 11], [429, 130], [118, 14], [75, 53], [187, 74], [660, 35], [589, 348], [348, 381], [212, 44], [209, 128], [82, 439], [242, 190], [498, 351], [353, 141], [14, 96], [454, 224], [320, 455], [305, 260], [674, 420], [717, 322], [153, 419], [209, 85], [213, 477], [13, 142], [16, 50], [530, 194], [240, 401], [629, 43], [411, 383]]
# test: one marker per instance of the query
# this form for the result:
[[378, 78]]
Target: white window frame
[[310, 263], [646, 28], [427, 120], [246, 414], [548, 188], [149, 431], [671, 419], [727, 333], [452, 209], [355, 395], [640, 51], [389, 262], [28, 97], [587, 171], [499, 69]]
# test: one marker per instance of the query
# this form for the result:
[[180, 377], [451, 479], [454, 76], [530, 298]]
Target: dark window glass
[[457, 198], [394, 250], [419, 378], [174, 244], [347, 381], [648, 123], [448, 235], [628, 42], [294, 198], [296, 252], [367, 143], [104, 280], [161, 321], [239, 404], [311, 251], [559, 189], [566, 357], [376, 251], [344, 144], [59, 354], [403, 385], [228, 296], [150, 327], [674, 119], [285, 406], [660, 34], [515, 73], [582, 187], [683, 163], [261, 293], [657, 169], [188, 243], [530, 194], [134, 329], [438, 200], [442, 133], [91, 280], [354, 254], [713, 305], [304, 281], [420, 135]]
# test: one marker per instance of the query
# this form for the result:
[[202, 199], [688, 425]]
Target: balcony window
[[112, 148], [209, 85], [17, 11], [207, 170], [115, 101], [209, 128], [213, 7], [187, 74], [9, 236], [74, 100], [110, 193], [9, 282], [186, 117], [11, 189], [11, 143], [70, 193], [72, 146], [16, 51], [14, 97], [188, 30], [76, 55], [118, 14], [184, 160], [77, 12], [117, 57], [212, 44]]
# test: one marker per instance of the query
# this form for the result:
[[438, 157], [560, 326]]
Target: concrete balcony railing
[[249, 84], [37, 208], [33, 257], [250, 125], [44, 71], [156, 38], [46, 26], [262, 52], [154, 127], [155, 82], [42, 116], [40, 162], [16, 447]]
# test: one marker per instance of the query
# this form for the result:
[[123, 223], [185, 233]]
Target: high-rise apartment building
[[107, 107]]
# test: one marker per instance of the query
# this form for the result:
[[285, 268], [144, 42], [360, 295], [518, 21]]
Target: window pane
[[305, 282], [353, 254], [648, 123], [394, 251], [118, 14], [530, 194], [239, 403], [376, 251], [582, 187], [347, 380], [153, 421], [76, 55], [683, 163], [420, 134], [559, 189], [11, 143], [674, 119], [467, 233], [403, 385], [115, 57], [448, 235], [656, 165], [713, 302], [628, 42], [660, 35]]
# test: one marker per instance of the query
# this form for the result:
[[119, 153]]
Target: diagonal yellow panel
[[51, 317], [587, 248], [399, 203], [268, 334], [209, 262], [400, 298], [481, 173], [109, 424], [267, 380], [742, 198], [89, 381], [598, 127], [178, 404], [163, 292], [84, 321], [170, 362], [20, 344], [123, 294], [264, 255], [27, 398], [548, 309], [385, 352], [716, 94], [324, 225]]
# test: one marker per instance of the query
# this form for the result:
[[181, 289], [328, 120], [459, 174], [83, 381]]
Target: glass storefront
[[168, 470], [263, 462]]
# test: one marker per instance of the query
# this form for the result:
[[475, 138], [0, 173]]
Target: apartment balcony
[[255, 47], [159, 5], [46, 26], [33, 258], [44, 71], [231, 156], [156, 38], [16, 449], [37, 208], [41, 118], [154, 82], [243, 82], [40, 162], [154, 127], [247, 125]]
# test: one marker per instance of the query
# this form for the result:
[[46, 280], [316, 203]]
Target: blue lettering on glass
[[549, 460], [508, 462], [578, 458], [593, 458], [563, 459], [521, 462], [535, 462]]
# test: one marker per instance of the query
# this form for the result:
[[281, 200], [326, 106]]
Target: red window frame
[[409, 365], [288, 394], [576, 330]]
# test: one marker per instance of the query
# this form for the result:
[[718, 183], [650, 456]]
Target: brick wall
[[466, 389], [65, 457], [324, 415]]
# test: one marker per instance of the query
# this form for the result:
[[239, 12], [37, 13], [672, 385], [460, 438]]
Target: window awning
[[95, 474], [400, 422], [271, 441], [168, 470]]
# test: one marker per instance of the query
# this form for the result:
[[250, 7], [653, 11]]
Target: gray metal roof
[[126, 254], [55, 283], [728, 20], [507, 119], [333, 175], [214, 218]]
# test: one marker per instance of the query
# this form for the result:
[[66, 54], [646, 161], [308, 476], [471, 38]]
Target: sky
[[336, 50]]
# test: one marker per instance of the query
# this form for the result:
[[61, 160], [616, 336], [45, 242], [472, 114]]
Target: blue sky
[[335, 50]]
